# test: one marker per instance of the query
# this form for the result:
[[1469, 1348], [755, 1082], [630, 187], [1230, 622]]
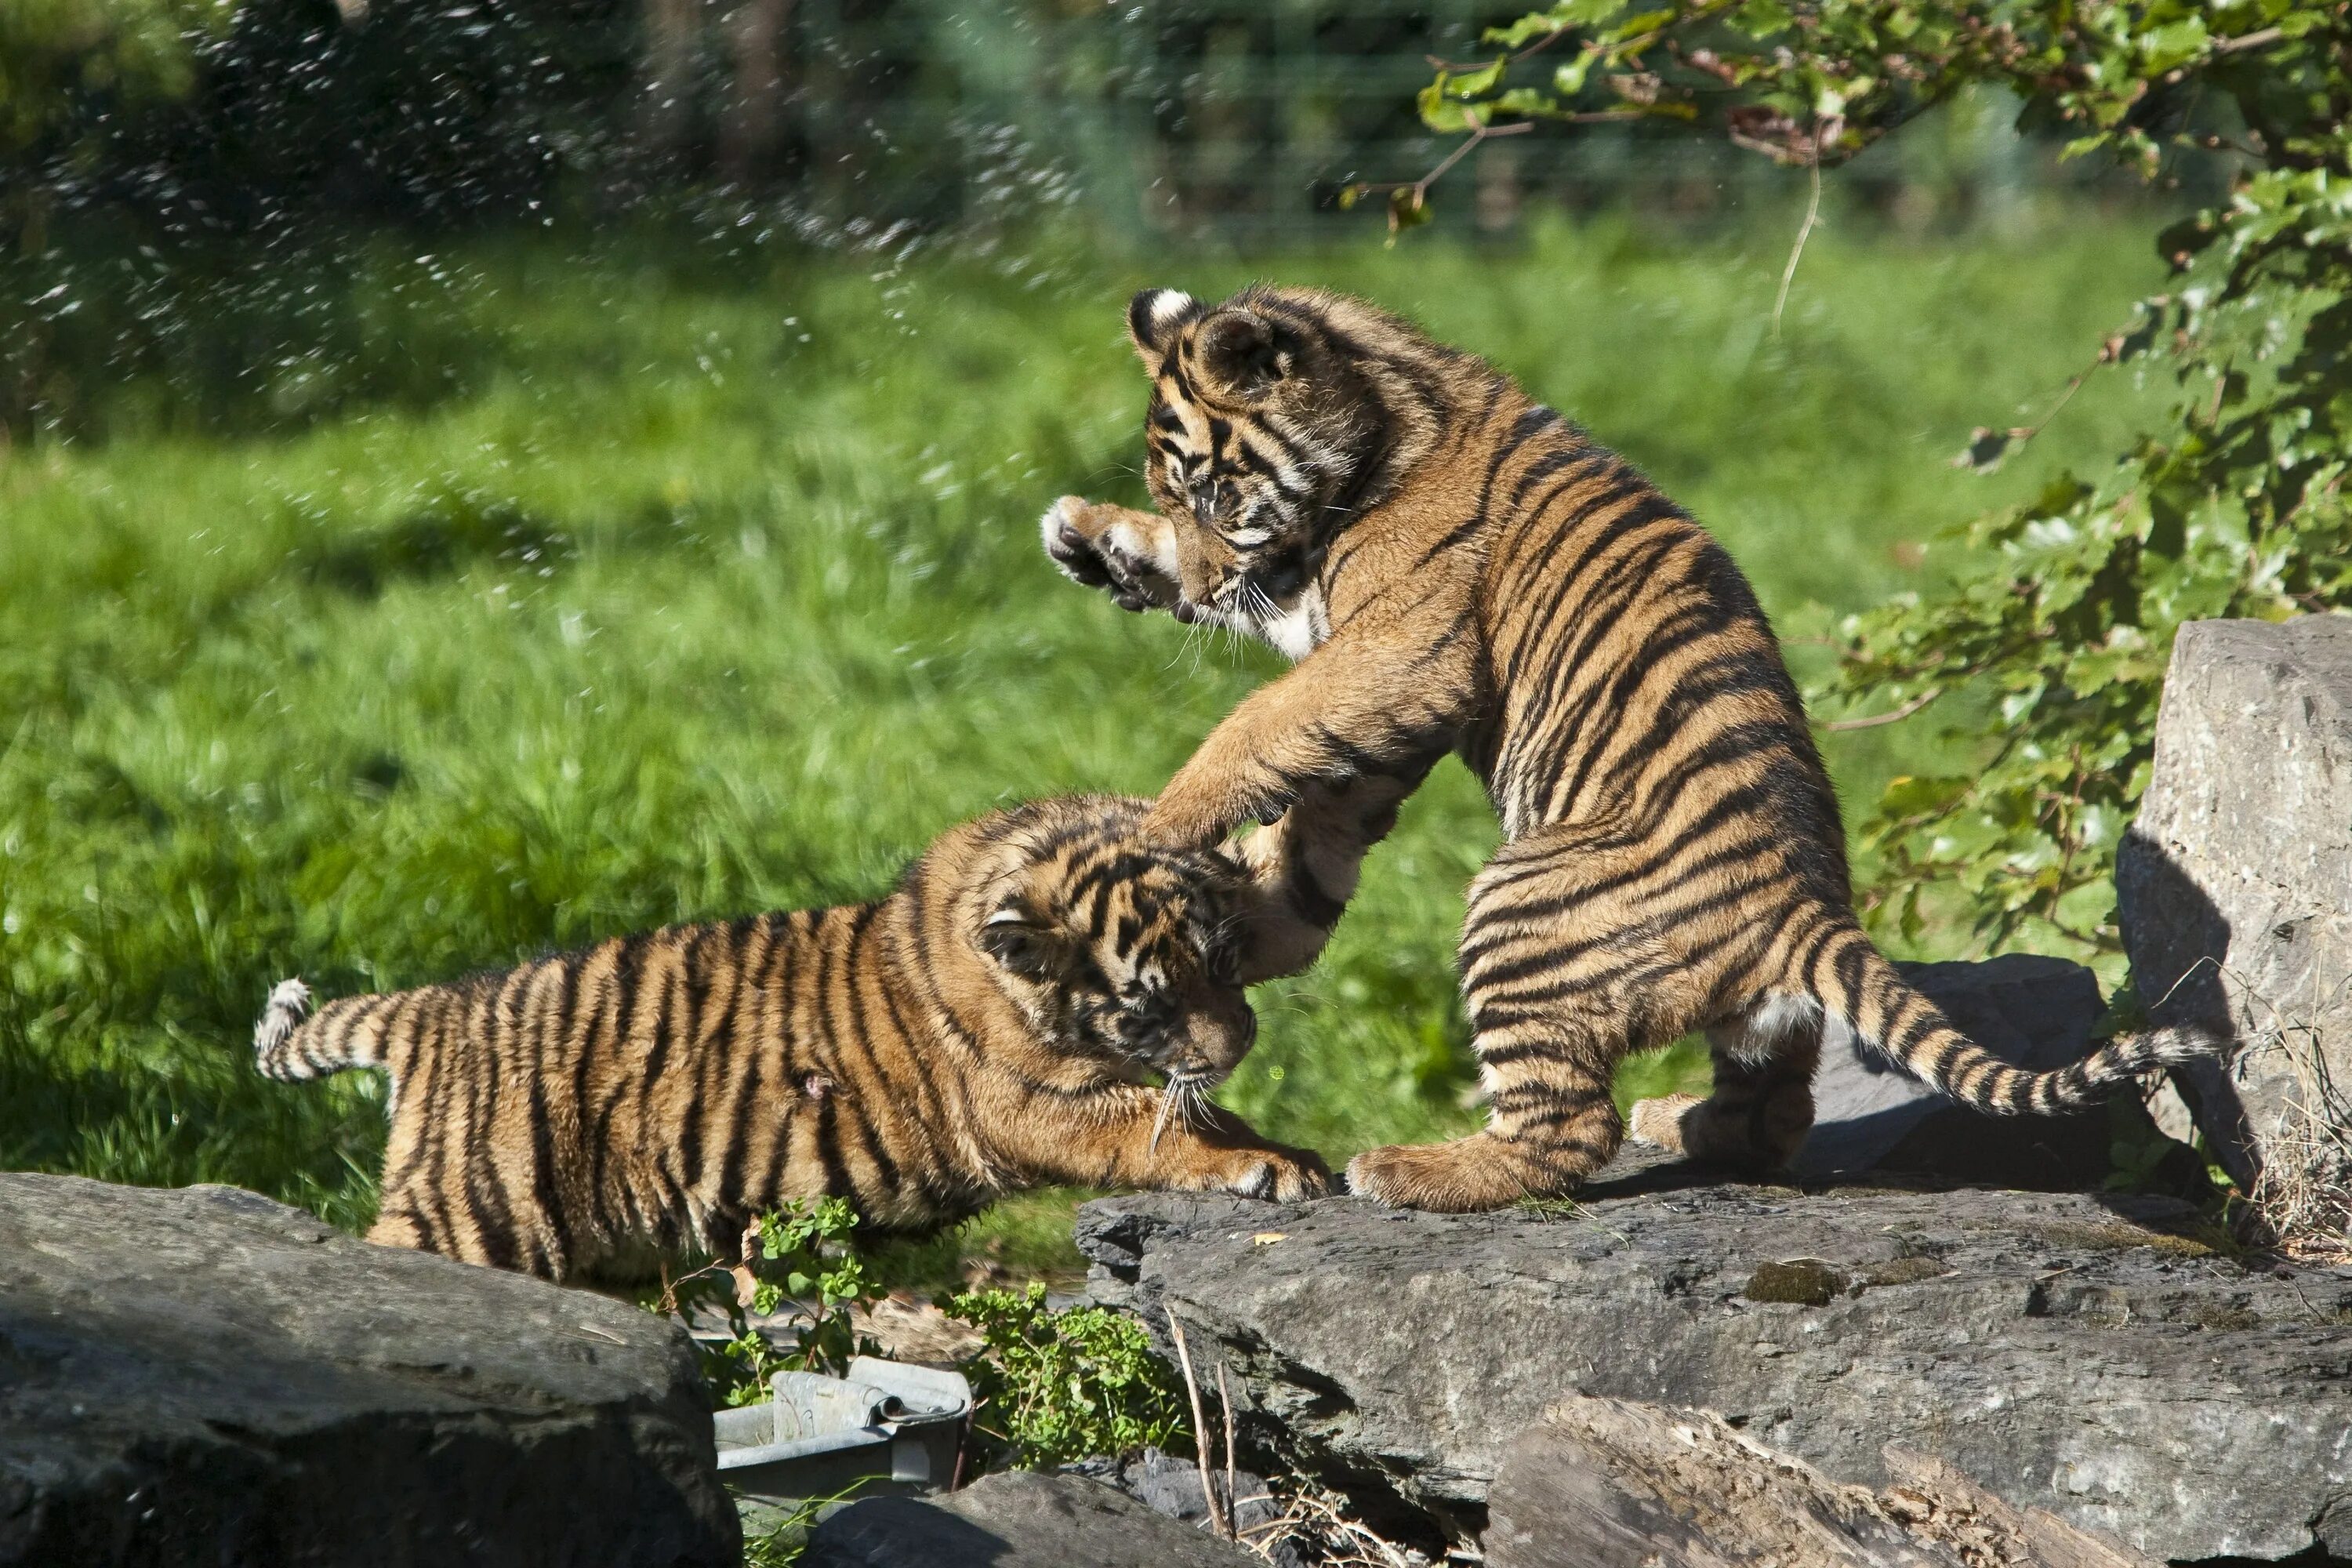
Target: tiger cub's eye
[[1147, 1014]]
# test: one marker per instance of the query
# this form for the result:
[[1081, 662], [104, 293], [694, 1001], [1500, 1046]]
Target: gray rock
[[2034, 1012], [1611, 1483], [203, 1376], [2089, 1356], [1170, 1484], [2236, 888], [1022, 1520]]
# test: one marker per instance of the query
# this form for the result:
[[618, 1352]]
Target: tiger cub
[[1455, 567], [982, 1029]]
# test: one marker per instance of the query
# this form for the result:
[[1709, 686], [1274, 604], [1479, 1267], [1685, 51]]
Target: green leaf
[[2175, 44], [1525, 102], [1408, 208], [1637, 26], [1474, 84], [1441, 113]]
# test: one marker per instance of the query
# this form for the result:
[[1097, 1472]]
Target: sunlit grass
[[718, 596]]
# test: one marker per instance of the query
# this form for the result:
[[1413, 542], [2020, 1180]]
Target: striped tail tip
[[288, 1006], [2130, 1056], [1853, 981]]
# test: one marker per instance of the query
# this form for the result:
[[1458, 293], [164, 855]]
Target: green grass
[[718, 590]]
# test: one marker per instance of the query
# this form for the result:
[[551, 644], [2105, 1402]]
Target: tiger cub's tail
[[1853, 981], [292, 1042]]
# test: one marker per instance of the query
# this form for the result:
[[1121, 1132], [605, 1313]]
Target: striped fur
[[983, 1028], [1456, 567]]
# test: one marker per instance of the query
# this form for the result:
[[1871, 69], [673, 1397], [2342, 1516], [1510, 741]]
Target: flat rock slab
[[1610, 1483], [1022, 1519], [2095, 1358], [203, 1376]]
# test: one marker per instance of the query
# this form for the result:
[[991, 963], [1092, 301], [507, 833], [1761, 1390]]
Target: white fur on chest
[[1298, 630]]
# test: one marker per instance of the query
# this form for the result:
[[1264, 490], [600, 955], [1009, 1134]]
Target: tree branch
[[1805, 232], [1837, 726]]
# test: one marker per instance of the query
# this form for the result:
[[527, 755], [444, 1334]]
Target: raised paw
[[1467, 1176], [1097, 547]]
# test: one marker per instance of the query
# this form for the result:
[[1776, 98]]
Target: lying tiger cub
[[980, 1030]]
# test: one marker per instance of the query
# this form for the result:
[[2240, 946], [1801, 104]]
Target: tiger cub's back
[[656, 1088]]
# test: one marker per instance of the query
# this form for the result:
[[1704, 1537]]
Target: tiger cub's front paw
[[1102, 547], [1281, 1176], [1270, 1173]]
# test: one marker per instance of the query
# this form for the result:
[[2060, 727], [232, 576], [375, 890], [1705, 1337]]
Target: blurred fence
[[190, 189], [1241, 118]]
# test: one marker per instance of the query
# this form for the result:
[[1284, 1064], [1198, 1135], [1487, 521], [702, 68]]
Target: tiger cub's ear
[[1155, 316], [1024, 943], [1241, 353]]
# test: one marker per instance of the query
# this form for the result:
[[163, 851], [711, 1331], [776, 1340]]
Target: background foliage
[[2063, 611], [470, 483], [713, 585]]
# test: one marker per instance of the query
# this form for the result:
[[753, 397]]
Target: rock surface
[[1607, 1483], [1168, 1484], [205, 1376], [2236, 889], [1021, 1520], [2032, 1011], [2090, 1357], [1610, 1483]]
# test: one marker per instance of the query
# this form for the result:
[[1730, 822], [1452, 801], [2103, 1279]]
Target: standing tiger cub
[[1457, 568], [981, 1029]]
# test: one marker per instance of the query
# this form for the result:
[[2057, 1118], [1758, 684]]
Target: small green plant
[[801, 1254], [778, 1537], [783, 1546], [1053, 1386]]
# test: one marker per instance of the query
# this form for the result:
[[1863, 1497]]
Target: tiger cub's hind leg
[[1564, 972], [1757, 1117]]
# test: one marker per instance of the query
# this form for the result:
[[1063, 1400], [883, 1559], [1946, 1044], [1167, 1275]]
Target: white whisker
[[1160, 1122]]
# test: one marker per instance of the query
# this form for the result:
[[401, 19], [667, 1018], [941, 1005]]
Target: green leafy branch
[[2060, 613], [1815, 81], [802, 1256]]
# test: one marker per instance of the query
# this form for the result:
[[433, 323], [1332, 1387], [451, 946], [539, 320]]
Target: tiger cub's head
[[1274, 416], [1118, 952]]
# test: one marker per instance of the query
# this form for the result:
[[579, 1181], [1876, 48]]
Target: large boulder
[[2030, 1011], [203, 1376], [1022, 1520], [2236, 889], [2101, 1358]]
